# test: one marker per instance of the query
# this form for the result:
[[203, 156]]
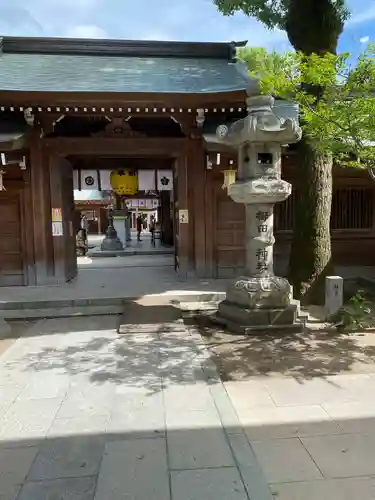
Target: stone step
[[60, 303], [99, 254], [296, 327], [210, 305], [62, 312], [174, 298]]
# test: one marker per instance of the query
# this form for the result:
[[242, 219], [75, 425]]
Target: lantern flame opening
[[229, 178], [2, 187]]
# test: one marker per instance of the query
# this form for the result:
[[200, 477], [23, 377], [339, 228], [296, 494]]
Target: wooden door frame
[[20, 189], [173, 148]]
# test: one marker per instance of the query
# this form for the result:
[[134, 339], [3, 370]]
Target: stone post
[[259, 300]]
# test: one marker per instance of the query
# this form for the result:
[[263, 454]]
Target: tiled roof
[[25, 69]]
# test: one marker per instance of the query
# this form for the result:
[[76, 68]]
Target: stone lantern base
[[260, 305], [111, 241]]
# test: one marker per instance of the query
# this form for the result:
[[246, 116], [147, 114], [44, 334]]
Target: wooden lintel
[[127, 147], [123, 100]]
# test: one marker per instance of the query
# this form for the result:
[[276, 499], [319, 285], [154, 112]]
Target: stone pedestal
[[259, 301]]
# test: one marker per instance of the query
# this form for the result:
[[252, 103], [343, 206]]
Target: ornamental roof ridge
[[116, 47]]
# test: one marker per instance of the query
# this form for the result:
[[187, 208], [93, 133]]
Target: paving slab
[[82, 488], [198, 449], [362, 488], [210, 484], [284, 422], [67, 457], [346, 455], [356, 417], [249, 394], [14, 467], [134, 469], [94, 425], [293, 392], [84, 400], [139, 423], [285, 460], [27, 422]]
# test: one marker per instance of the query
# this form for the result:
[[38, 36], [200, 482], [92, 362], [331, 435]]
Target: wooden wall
[[16, 224], [352, 223], [29, 253]]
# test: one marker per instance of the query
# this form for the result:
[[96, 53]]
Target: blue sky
[[196, 20]]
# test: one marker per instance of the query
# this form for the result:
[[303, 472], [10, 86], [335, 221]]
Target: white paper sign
[[57, 229], [183, 216]]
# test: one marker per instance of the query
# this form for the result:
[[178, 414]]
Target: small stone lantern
[[259, 300]]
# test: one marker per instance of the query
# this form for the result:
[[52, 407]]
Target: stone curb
[[108, 301], [64, 312], [102, 254], [5, 329]]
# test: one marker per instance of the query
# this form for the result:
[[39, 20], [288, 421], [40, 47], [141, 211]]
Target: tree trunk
[[313, 26], [310, 256]]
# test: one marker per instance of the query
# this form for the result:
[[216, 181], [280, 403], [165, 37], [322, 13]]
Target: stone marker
[[334, 294], [259, 300]]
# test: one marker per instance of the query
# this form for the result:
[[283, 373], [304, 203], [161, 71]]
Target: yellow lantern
[[229, 178], [124, 182]]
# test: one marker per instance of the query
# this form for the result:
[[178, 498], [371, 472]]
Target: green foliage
[[336, 99], [354, 317], [260, 62], [273, 13]]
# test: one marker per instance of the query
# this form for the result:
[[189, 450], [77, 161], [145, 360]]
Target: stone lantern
[[111, 241], [259, 300]]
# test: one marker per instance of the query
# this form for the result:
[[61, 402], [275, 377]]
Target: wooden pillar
[[41, 208], [197, 180], [63, 234], [210, 220], [183, 231], [56, 186]]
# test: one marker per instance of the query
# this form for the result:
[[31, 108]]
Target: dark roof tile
[[71, 73]]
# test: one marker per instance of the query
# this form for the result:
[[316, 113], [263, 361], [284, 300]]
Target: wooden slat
[[11, 257]]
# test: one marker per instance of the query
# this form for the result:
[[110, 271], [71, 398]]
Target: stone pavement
[[118, 277], [90, 414]]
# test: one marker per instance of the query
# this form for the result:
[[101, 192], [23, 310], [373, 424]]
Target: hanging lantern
[[124, 182], [2, 187], [229, 178]]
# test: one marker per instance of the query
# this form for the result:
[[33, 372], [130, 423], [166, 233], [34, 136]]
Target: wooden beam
[[123, 100], [136, 147]]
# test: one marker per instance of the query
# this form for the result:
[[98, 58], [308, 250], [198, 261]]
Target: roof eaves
[[125, 48]]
